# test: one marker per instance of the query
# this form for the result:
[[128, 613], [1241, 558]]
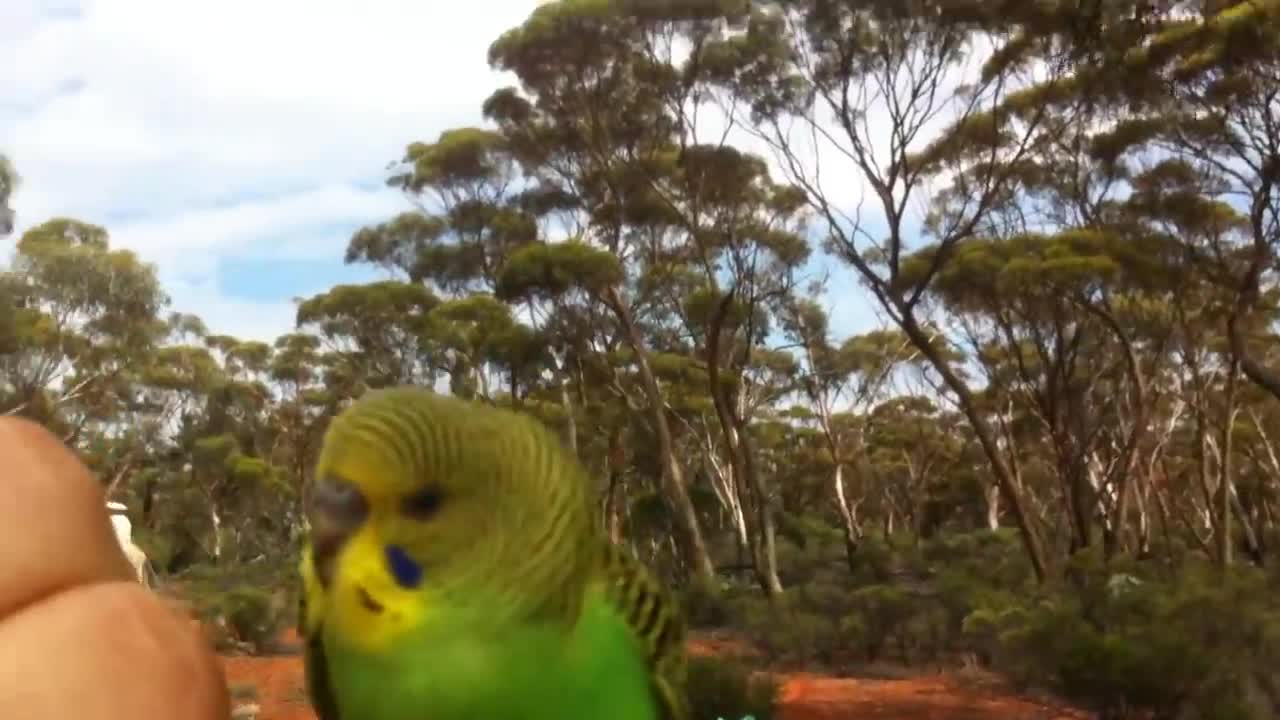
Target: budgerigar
[[455, 571]]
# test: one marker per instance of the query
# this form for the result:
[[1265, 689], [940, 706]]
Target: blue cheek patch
[[406, 572]]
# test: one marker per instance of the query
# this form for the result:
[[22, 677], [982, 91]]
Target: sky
[[237, 145]]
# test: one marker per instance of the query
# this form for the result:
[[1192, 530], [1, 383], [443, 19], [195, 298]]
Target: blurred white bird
[[124, 534]]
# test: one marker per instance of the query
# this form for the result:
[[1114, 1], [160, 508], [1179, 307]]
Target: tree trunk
[[725, 485], [1225, 467], [770, 583], [614, 494], [1204, 471], [742, 456], [1141, 502], [848, 513], [571, 421], [763, 549], [1128, 464], [674, 492], [992, 494], [1252, 546], [215, 520], [1072, 470], [986, 438], [1246, 297]]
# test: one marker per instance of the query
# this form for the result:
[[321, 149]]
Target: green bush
[[872, 562], [1164, 637], [725, 688], [249, 614], [883, 614], [1120, 644], [796, 631], [245, 609], [706, 607]]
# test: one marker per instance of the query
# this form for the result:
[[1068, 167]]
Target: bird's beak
[[335, 509]]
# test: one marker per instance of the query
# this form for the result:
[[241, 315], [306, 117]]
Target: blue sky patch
[[282, 279]]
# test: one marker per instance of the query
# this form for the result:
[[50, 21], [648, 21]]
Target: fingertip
[[53, 520], [108, 651], [23, 439]]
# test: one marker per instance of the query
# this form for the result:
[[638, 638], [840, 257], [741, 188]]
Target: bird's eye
[[422, 504]]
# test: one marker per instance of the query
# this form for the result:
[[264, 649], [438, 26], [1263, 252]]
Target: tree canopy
[[1067, 214]]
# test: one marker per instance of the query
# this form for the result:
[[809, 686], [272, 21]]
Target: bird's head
[[422, 501]]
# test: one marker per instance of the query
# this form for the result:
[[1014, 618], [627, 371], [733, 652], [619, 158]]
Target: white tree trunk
[[992, 496]]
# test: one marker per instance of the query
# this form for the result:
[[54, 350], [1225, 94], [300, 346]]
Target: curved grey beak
[[335, 509]]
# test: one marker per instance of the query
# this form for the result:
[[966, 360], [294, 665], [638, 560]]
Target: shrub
[[1164, 637], [725, 688], [706, 607], [883, 612], [1123, 645], [245, 610]]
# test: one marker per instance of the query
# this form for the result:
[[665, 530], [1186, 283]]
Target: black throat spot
[[368, 602]]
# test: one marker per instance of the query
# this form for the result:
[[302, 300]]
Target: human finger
[[54, 526], [107, 651]]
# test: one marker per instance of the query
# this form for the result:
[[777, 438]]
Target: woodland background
[[1057, 459]]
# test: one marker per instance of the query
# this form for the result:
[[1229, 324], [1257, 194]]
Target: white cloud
[[237, 228], [213, 100], [203, 132], [199, 132]]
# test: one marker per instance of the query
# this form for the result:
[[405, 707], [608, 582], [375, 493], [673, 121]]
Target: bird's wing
[[651, 613], [316, 667]]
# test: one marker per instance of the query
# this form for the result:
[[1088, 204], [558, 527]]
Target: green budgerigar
[[455, 570]]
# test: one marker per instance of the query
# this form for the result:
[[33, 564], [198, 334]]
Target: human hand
[[79, 636]]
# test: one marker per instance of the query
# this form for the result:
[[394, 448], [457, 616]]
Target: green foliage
[[724, 688], [247, 606], [833, 618], [1121, 643], [1119, 640], [554, 269], [706, 607]]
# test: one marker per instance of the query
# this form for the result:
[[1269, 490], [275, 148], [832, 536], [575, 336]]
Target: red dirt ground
[[278, 681]]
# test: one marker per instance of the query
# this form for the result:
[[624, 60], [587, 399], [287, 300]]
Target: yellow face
[[362, 604]]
